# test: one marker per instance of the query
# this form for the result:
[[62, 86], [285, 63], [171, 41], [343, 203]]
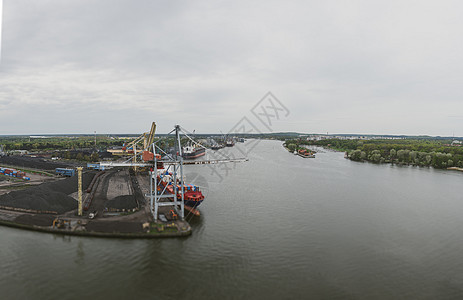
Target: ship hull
[[192, 203], [192, 197], [197, 153]]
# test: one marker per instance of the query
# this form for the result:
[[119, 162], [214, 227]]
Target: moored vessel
[[193, 151], [193, 196]]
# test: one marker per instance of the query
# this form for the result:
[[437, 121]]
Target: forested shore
[[418, 152]]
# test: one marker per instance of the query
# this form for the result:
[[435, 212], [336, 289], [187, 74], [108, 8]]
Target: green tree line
[[56, 143], [417, 152], [78, 156]]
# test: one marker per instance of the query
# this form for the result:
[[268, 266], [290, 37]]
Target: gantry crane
[[156, 159]]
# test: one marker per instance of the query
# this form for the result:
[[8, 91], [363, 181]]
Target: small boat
[[192, 210]]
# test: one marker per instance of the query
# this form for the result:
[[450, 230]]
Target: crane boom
[[147, 154], [169, 162], [150, 139]]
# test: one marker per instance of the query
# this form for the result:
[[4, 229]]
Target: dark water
[[276, 227]]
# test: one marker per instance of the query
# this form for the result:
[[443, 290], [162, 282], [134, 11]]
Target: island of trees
[[418, 152]]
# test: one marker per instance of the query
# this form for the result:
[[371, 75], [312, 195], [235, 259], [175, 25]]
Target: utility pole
[[79, 183], [95, 139]]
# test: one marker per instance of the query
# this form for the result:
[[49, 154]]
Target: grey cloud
[[358, 66]]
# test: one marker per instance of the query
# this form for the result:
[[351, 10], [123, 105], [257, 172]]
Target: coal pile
[[40, 220], [47, 197], [40, 200], [105, 154], [32, 162], [121, 203]]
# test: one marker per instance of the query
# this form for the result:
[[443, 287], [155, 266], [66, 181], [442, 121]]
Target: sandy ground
[[144, 183], [119, 185]]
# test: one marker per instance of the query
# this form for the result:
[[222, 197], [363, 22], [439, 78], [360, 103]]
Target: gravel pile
[[122, 202], [32, 162], [51, 196]]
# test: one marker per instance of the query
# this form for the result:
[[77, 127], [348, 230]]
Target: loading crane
[[140, 144], [157, 160]]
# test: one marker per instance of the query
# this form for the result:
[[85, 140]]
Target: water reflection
[[80, 253]]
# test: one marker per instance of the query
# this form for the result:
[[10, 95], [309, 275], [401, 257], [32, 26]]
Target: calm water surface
[[277, 227]]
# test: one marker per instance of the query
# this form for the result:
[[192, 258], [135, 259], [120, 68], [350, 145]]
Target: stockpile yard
[[51, 197], [120, 194], [121, 203], [142, 194], [33, 162], [115, 205]]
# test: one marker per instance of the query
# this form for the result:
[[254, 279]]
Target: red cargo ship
[[192, 196]]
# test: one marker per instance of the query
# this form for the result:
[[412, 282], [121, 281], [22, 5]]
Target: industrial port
[[141, 194]]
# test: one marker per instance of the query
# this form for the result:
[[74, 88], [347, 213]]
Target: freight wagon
[[65, 172], [95, 167]]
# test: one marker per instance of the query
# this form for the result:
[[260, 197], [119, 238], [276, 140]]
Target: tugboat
[[193, 151]]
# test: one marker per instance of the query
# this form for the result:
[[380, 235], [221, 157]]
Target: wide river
[[276, 227]]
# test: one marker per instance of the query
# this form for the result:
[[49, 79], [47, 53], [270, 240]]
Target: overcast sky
[[378, 67]]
